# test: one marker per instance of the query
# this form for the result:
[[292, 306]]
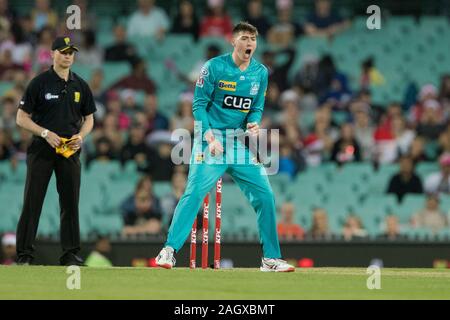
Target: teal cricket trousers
[[250, 179]]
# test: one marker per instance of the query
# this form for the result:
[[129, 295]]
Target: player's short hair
[[246, 27]]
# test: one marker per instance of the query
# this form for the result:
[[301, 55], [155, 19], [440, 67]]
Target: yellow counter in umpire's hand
[[64, 149]]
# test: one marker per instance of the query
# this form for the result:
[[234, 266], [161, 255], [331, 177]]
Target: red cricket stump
[[217, 235], [193, 256], [205, 232]]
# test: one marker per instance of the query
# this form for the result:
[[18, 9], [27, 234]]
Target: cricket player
[[229, 94]]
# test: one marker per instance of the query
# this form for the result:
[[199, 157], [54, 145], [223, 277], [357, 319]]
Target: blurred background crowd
[[370, 105]]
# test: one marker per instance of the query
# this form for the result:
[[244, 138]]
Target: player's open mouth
[[248, 52]]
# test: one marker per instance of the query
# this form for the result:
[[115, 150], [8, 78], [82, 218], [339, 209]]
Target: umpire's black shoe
[[71, 259], [24, 260]]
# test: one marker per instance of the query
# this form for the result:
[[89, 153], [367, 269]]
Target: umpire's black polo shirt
[[57, 105]]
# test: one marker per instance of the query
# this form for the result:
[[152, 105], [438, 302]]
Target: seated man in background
[[141, 211], [406, 180], [324, 22], [431, 216], [287, 228]]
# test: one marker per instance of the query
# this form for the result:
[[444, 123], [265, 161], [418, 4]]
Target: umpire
[[57, 105]]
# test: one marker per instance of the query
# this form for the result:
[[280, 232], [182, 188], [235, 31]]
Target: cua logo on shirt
[[236, 102]]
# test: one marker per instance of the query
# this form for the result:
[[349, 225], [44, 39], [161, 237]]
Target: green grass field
[[39, 282]]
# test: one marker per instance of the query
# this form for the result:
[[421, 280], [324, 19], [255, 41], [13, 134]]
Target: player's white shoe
[[275, 265], [165, 258]]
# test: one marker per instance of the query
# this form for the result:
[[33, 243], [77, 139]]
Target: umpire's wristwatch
[[44, 134]]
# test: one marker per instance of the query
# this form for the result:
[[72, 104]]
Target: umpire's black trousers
[[42, 160]]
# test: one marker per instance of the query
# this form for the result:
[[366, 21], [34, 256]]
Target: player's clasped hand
[[215, 147], [253, 128], [53, 139]]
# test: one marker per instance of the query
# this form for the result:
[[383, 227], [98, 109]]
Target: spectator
[[115, 109], [43, 52], [431, 216], [169, 201], [5, 146], [129, 104], [148, 21], [256, 17], [428, 93], [287, 228], [160, 165], [306, 77], [406, 180], [417, 150], [211, 51], [364, 134], [431, 124], [319, 143], [90, 54], [403, 136], [272, 105], [279, 73], [392, 228], [346, 148], [111, 131], [6, 12], [439, 182], [319, 228], [103, 152], [444, 94], [21, 50], [370, 75], [8, 255], [444, 140], [141, 211], [353, 228], [155, 119], [386, 150], [8, 66], [96, 85], [43, 15], [285, 30], [324, 22], [121, 49], [135, 149], [138, 79], [183, 118], [21, 144], [99, 256], [327, 77], [8, 113], [216, 22], [186, 21]]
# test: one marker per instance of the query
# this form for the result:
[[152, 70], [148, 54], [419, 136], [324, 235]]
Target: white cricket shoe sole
[[275, 265]]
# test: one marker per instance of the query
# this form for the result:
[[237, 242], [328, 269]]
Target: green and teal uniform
[[227, 98]]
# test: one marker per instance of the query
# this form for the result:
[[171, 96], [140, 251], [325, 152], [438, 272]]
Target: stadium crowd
[[402, 131]]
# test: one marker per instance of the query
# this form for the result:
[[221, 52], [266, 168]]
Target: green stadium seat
[[162, 188], [5, 86], [411, 204]]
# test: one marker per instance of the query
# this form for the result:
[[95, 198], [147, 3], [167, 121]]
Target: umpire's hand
[[76, 143], [53, 139]]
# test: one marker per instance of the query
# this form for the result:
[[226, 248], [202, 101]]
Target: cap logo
[[67, 40]]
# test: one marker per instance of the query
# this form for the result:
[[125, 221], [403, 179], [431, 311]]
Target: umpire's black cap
[[62, 44]]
